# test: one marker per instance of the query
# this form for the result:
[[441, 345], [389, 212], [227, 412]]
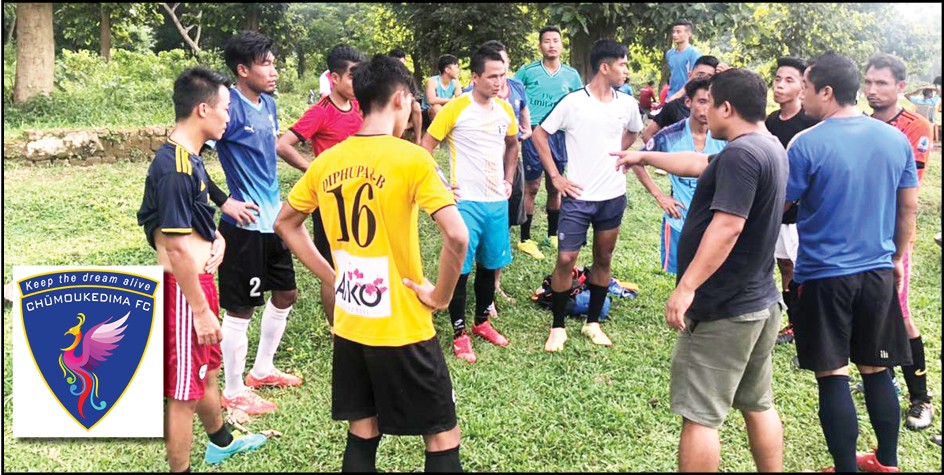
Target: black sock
[[360, 455], [445, 461], [186, 470], [526, 228], [222, 437], [837, 415], [484, 293], [553, 215], [457, 306], [885, 415], [597, 299], [915, 373], [559, 307]]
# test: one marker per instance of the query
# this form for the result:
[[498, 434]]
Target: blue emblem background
[[46, 336]]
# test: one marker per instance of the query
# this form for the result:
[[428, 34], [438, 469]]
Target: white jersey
[[593, 130], [476, 140]]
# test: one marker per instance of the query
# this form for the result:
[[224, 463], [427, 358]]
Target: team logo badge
[[924, 144], [87, 332]]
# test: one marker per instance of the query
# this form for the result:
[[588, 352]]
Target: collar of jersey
[[257, 107]]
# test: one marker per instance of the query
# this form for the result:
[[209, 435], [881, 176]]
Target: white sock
[[270, 335], [234, 346]]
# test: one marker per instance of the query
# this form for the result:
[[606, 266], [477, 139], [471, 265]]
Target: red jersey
[[918, 131], [324, 125], [646, 95]]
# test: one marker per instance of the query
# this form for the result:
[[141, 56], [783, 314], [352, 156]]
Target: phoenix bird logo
[[96, 346]]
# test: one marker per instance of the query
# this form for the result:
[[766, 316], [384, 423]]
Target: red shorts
[[186, 362]]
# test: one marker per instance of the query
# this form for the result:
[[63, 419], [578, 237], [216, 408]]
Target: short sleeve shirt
[[176, 199], [785, 130], [593, 130], [681, 64], [325, 125], [846, 173], [369, 190], [746, 179], [546, 89], [475, 137], [247, 154], [918, 131], [678, 138]]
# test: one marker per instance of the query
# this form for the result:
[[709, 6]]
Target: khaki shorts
[[722, 364]]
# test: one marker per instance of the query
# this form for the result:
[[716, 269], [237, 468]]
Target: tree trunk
[[35, 51], [252, 18], [194, 43], [302, 66], [105, 33], [581, 44]]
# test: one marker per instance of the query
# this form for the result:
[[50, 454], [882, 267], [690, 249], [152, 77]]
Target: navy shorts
[[533, 169], [576, 216]]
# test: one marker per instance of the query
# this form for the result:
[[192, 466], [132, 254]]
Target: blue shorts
[[576, 216], [533, 169], [671, 230], [489, 241]]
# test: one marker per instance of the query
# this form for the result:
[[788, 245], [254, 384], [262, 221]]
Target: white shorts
[[787, 242]]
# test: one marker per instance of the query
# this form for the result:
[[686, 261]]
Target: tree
[[35, 52], [9, 22], [195, 21], [104, 25], [459, 28]]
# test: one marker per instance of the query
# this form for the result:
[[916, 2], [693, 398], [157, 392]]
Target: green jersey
[[545, 89]]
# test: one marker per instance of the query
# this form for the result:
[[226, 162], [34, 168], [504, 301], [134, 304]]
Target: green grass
[[519, 408]]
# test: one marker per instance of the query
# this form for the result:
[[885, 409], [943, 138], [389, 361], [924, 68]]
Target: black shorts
[[577, 215], [516, 213], [254, 263], [855, 317], [406, 387], [320, 237]]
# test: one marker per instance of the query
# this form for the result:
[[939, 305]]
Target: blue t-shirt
[[678, 138], [545, 90], [625, 89], [846, 173], [680, 64], [247, 153]]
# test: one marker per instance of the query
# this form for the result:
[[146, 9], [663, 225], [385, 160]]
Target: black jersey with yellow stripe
[[176, 198]]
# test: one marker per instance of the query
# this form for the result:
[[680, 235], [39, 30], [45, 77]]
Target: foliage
[[77, 25], [458, 29]]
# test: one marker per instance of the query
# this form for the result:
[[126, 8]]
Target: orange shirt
[[918, 131]]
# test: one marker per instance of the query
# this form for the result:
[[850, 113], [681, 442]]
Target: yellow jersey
[[369, 190]]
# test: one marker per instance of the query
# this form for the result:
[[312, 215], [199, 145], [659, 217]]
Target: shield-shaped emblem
[[87, 332]]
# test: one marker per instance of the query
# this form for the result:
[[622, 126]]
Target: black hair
[[547, 29], [745, 90], [494, 44], [707, 60], [693, 86], [196, 86], [445, 60], [246, 48], [397, 53], [342, 57], [890, 61], [684, 23], [483, 54], [376, 80], [650, 83], [605, 50], [791, 62], [937, 80], [839, 73]]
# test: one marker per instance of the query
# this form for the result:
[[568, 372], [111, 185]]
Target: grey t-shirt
[[747, 179]]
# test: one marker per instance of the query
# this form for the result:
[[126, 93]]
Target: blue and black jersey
[[176, 197]]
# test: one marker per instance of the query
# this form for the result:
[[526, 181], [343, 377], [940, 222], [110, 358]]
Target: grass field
[[519, 408]]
